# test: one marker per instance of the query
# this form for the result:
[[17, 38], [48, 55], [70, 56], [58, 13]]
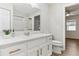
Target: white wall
[[56, 22], [44, 17], [73, 34], [53, 20]]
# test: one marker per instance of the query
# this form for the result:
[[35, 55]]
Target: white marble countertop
[[20, 38]]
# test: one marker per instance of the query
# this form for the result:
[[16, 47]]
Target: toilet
[[57, 46]]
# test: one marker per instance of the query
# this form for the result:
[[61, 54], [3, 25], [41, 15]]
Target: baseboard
[[72, 38]]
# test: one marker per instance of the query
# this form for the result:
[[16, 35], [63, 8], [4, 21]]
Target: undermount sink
[[31, 33], [26, 34]]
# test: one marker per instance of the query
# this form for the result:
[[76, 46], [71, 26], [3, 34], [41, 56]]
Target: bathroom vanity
[[32, 45], [23, 17]]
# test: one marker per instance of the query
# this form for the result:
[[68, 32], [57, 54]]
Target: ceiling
[[24, 9], [73, 9]]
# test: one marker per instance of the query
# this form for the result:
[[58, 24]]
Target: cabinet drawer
[[36, 42], [32, 52], [14, 50]]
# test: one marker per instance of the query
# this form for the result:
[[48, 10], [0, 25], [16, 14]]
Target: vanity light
[[34, 5], [68, 15]]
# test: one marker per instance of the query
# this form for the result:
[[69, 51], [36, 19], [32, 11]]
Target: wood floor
[[72, 48]]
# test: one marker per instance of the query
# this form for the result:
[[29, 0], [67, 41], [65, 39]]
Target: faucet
[[13, 34], [27, 33]]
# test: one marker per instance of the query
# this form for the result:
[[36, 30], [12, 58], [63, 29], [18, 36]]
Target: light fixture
[[68, 12], [34, 5]]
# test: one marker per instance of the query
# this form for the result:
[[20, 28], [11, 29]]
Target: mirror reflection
[[26, 17]]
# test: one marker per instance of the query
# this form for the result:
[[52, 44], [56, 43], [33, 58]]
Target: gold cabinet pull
[[14, 51]]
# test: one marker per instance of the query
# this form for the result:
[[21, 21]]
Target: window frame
[[71, 24]]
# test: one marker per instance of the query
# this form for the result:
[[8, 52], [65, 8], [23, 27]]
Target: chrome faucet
[[28, 33]]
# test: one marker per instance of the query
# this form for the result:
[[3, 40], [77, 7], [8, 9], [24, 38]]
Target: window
[[71, 25]]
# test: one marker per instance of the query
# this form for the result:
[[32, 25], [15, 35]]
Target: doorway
[[72, 30]]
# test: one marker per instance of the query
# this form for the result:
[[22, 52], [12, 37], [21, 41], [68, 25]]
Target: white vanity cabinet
[[34, 46], [38, 51], [40, 46], [33, 52]]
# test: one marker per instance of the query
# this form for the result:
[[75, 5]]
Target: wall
[[44, 17], [53, 20], [56, 22], [73, 34]]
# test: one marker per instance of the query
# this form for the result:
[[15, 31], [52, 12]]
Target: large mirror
[[5, 19], [26, 17]]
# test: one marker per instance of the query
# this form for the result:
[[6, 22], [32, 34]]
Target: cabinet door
[[5, 18], [49, 45], [43, 50], [49, 49], [32, 52]]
